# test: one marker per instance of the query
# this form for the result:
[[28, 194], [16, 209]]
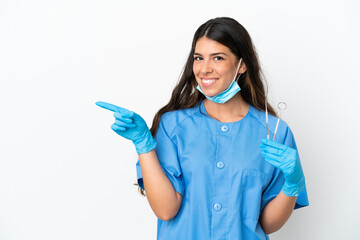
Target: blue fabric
[[218, 169]]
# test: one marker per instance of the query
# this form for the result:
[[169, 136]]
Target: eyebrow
[[217, 53]]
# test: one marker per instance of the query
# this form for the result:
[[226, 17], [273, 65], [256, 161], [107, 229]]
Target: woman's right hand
[[131, 126]]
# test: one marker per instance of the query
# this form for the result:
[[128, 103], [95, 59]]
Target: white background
[[64, 174]]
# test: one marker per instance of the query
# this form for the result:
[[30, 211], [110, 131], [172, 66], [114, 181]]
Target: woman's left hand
[[288, 161]]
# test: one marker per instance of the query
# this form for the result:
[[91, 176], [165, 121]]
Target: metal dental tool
[[281, 106]]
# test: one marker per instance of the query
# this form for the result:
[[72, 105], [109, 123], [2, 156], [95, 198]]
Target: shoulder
[[259, 117], [171, 120]]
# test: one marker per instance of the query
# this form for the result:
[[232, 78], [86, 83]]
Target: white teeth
[[208, 80]]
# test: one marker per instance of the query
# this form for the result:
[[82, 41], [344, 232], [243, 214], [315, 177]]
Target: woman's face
[[214, 66]]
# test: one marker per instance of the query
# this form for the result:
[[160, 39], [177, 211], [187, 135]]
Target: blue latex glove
[[131, 126], [288, 161]]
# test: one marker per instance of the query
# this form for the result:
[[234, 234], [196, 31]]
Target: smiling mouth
[[208, 82]]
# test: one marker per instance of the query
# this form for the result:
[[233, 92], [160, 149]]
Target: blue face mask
[[228, 93]]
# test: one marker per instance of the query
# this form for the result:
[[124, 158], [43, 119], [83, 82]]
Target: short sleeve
[[278, 180], [166, 152]]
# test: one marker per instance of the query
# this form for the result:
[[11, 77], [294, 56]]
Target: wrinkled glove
[[131, 126], [288, 161]]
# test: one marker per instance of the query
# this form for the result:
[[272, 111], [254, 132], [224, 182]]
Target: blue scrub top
[[218, 169]]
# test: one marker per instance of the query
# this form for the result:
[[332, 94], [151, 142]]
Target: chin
[[210, 93]]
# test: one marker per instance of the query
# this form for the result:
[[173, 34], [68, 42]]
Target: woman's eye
[[217, 58], [196, 58]]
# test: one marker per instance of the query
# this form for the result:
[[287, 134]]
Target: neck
[[233, 110]]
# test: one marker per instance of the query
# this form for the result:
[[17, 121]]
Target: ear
[[242, 68]]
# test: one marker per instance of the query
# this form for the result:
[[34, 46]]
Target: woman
[[210, 173]]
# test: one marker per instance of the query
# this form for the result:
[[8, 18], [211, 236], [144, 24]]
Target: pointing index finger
[[112, 107]]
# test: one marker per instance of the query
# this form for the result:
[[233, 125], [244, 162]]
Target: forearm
[[277, 212], [162, 197]]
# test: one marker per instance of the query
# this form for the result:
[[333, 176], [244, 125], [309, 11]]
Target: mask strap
[[237, 70]]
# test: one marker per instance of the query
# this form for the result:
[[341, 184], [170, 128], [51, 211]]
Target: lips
[[207, 82]]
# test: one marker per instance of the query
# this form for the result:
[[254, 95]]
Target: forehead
[[207, 46]]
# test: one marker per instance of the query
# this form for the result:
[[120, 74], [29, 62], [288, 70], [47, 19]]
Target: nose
[[206, 67]]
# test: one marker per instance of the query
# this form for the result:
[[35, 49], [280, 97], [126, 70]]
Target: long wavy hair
[[233, 35]]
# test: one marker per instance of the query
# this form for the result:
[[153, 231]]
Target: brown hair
[[232, 34]]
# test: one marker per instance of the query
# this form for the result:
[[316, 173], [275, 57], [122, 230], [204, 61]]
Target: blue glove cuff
[[293, 190], [146, 144]]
